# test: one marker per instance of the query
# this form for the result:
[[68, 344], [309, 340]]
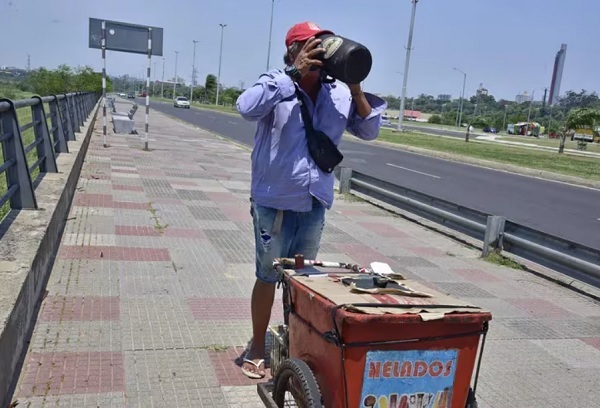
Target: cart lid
[[434, 306]]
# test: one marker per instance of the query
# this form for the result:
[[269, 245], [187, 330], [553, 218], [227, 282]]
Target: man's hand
[[306, 58], [354, 89]]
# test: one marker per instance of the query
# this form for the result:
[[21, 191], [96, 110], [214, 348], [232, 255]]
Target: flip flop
[[251, 374]]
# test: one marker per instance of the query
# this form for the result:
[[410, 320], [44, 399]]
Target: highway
[[560, 209]]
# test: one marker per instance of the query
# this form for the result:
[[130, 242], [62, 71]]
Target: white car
[[182, 102]]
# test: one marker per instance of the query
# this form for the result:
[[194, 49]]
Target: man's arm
[[365, 114], [259, 100]]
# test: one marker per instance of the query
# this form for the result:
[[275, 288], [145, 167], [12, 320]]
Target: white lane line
[[414, 171], [233, 123], [212, 117]]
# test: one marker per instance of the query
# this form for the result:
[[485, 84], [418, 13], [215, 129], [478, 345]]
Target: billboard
[[125, 37]]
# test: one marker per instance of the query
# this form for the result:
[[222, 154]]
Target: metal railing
[[36, 141], [496, 232]]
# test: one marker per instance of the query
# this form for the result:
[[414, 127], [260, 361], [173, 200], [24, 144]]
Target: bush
[[435, 119]]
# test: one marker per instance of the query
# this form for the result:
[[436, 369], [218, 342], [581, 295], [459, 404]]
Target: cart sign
[[409, 379]]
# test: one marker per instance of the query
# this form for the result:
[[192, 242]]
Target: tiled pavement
[[147, 303]]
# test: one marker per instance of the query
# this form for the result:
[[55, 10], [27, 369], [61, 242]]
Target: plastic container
[[345, 59]]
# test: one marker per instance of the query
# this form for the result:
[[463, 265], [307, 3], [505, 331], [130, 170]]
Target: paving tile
[[231, 309], [114, 253], [72, 373], [89, 308]]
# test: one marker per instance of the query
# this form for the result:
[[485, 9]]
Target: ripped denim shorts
[[285, 235]]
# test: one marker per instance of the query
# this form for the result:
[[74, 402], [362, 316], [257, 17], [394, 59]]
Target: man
[[289, 192]]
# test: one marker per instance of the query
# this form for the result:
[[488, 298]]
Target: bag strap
[[304, 110]]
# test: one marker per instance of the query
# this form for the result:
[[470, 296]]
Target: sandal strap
[[257, 364]]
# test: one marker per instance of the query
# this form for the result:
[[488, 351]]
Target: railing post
[[73, 111], [13, 149], [66, 112], [494, 231], [44, 149], [345, 176], [58, 133], [82, 115]]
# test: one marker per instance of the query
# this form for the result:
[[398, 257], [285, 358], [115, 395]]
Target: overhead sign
[[125, 37]]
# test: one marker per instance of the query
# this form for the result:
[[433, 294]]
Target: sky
[[508, 45]]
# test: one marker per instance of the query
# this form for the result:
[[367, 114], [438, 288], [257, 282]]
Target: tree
[[435, 119], [581, 118], [210, 85]]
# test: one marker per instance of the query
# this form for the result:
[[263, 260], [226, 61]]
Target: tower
[[559, 65]]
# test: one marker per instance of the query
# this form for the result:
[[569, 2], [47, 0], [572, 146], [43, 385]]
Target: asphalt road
[[563, 210]]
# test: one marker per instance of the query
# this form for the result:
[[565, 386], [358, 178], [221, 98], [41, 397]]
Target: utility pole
[[162, 82], [270, 34], [193, 72], [407, 65], [504, 121], [175, 79], [220, 58], [462, 97], [530, 105], [28, 62]]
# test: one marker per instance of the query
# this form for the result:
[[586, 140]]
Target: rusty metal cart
[[354, 339]]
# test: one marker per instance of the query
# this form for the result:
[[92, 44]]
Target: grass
[[584, 167], [24, 117], [497, 259], [591, 147]]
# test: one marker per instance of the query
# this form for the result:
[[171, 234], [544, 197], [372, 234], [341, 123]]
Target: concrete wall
[[29, 242]]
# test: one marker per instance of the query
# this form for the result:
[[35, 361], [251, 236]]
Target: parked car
[[182, 102], [488, 129], [130, 95]]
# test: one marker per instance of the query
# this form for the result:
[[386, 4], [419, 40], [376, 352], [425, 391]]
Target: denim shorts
[[297, 233]]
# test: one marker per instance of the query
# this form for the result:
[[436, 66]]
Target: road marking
[[414, 171], [233, 123], [212, 117]]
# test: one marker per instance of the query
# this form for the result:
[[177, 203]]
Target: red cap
[[303, 31]]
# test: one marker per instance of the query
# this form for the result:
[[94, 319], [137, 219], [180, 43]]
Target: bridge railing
[[32, 138]]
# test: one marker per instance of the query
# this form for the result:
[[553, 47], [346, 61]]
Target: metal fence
[[31, 148], [496, 232]]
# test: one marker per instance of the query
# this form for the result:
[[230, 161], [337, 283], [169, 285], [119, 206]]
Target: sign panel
[[409, 379], [125, 37]]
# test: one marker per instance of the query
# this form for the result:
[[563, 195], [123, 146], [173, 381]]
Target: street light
[[270, 34], [162, 82], [175, 81], [193, 72], [462, 98], [407, 64], [220, 57]]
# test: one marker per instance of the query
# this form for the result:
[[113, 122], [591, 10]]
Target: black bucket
[[344, 59]]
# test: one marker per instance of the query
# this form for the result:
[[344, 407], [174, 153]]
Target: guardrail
[[67, 113], [496, 232]]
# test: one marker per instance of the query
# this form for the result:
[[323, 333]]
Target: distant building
[[482, 91], [444, 97], [559, 65], [524, 97]]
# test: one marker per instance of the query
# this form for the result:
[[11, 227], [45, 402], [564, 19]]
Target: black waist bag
[[323, 151]]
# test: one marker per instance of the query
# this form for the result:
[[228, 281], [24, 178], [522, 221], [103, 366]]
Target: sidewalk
[[148, 301]]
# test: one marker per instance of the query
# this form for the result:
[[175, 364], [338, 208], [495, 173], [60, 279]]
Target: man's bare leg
[[263, 296]]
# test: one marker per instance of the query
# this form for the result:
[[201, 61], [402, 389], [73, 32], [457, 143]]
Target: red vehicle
[[356, 338]]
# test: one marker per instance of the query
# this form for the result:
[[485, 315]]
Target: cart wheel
[[295, 386]]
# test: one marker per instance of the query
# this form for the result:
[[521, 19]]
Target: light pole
[[220, 58], [530, 105], [407, 65], [504, 121], [162, 82], [175, 79], [193, 72], [270, 34], [462, 97]]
